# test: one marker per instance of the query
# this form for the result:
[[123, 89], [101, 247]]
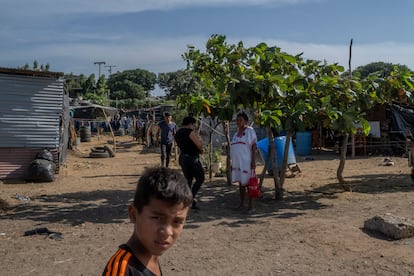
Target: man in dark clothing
[[167, 129], [191, 146]]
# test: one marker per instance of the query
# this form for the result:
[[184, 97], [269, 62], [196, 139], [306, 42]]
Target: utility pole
[[110, 73], [99, 64], [110, 68]]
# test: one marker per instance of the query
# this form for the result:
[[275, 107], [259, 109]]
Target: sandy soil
[[316, 230]]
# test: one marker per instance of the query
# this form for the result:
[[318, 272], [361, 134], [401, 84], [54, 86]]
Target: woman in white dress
[[243, 157]]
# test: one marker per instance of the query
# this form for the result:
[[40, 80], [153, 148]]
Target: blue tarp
[[280, 141]]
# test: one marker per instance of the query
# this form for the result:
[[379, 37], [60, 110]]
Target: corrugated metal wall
[[31, 113]]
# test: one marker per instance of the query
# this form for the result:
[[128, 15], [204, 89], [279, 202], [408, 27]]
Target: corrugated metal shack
[[34, 115]]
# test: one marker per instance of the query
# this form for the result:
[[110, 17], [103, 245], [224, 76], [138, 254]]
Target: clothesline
[[213, 129], [208, 126]]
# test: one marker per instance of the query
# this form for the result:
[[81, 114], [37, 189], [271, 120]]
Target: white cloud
[[27, 8], [153, 54], [74, 49], [164, 54], [362, 54]]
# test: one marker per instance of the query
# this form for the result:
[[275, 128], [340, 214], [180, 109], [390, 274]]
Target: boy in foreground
[[158, 212]]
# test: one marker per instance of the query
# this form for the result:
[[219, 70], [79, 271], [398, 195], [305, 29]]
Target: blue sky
[[71, 35]]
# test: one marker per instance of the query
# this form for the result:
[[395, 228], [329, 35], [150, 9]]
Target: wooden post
[[110, 127]]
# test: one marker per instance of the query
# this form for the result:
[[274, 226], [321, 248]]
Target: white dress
[[241, 155]]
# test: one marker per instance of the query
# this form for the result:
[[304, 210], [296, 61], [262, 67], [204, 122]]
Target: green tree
[[130, 88], [212, 70], [253, 78], [286, 91], [178, 82], [383, 69], [138, 79], [88, 88], [127, 89], [341, 103], [97, 92], [73, 85], [88, 84], [44, 68], [121, 90]]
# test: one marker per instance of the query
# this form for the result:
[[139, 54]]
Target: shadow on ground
[[371, 184], [109, 206], [217, 202]]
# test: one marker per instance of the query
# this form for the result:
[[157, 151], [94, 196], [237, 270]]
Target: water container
[[304, 143], [280, 142], [280, 149]]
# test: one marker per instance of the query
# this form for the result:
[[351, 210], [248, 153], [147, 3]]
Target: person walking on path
[[191, 146], [167, 129], [243, 158]]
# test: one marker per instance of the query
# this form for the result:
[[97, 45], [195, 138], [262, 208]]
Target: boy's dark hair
[[167, 114], [163, 184], [243, 115], [189, 120]]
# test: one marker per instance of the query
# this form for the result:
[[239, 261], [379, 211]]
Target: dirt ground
[[316, 230]]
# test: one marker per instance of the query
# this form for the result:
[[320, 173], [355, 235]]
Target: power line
[[110, 68]]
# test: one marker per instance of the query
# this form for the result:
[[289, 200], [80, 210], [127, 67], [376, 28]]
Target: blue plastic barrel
[[303, 143], [280, 141]]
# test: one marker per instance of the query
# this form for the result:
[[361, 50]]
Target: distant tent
[[402, 120], [89, 113], [92, 111]]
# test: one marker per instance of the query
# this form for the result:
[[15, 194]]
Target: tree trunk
[[110, 128], [276, 178], [210, 153], [266, 164], [285, 158], [342, 160], [226, 129]]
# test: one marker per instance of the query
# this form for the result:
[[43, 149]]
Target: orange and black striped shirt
[[124, 263]]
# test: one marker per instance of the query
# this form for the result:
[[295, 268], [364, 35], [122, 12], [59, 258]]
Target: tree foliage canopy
[[178, 83], [287, 91], [383, 69], [127, 89], [135, 83]]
